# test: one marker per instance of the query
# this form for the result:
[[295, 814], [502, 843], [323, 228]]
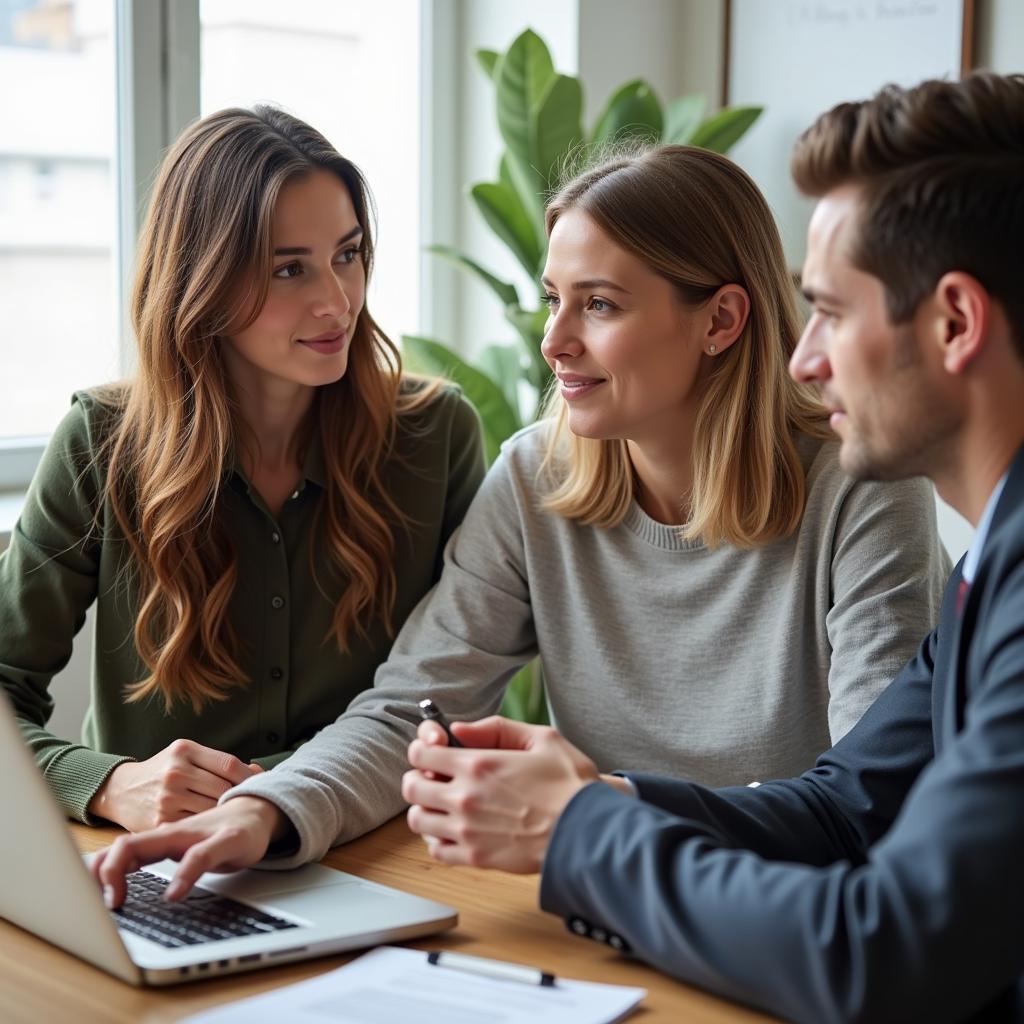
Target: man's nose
[[809, 363]]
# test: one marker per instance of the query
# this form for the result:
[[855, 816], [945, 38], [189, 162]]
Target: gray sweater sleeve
[[888, 571], [346, 779]]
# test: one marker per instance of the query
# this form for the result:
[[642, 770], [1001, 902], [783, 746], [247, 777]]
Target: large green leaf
[[507, 294], [487, 59], [633, 111], [504, 365], [522, 184], [530, 326], [522, 181], [500, 420], [501, 208], [522, 77], [723, 130], [682, 116], [556, 127], [505, 175]]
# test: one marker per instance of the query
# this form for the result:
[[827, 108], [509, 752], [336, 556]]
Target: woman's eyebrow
[[298, 250], [594, 282]]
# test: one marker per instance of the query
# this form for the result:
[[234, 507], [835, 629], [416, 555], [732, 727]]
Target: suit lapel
[[949, 684]]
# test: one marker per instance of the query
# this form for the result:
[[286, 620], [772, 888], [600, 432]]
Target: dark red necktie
[[961, 596]]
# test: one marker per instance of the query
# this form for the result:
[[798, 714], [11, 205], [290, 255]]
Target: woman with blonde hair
[[709, 595], [255, 513]]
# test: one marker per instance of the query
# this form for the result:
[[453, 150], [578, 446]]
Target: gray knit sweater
[[722, 666]]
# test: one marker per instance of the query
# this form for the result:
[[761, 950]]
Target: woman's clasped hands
[[494, 804]]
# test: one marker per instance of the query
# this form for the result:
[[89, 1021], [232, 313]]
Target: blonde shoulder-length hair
[[699, 221], [204, 266]]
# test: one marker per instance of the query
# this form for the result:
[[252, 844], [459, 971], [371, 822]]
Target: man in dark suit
[[887, 883]]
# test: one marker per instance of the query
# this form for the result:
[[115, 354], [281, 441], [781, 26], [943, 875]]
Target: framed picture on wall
[[798, 58]]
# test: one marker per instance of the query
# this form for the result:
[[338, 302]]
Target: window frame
[[440, 183], [157, 47], [156, 55]]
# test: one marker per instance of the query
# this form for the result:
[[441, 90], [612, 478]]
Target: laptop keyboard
[[203, 916]]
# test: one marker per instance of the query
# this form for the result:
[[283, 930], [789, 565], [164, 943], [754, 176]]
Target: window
[[57, 211], [95, 77], [323, 61]]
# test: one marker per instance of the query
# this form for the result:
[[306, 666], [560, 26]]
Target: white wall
[[615, 45]]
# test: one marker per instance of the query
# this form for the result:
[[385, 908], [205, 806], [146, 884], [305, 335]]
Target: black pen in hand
[[432, 713]]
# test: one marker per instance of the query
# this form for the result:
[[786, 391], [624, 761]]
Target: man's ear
[[730, 309], [962, 311]]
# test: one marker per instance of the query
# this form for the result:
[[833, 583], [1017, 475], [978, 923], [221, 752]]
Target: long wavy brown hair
[[206, 240], [699, 221]]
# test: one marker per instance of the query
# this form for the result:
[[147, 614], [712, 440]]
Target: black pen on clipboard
[[430, 712]]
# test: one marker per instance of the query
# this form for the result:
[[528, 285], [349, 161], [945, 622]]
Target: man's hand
[[184, 778], [502, 796], [226, 838]]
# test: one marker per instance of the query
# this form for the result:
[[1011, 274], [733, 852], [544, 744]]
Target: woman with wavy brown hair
[[256, 512]]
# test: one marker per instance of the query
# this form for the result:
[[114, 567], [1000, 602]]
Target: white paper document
[[394, 986]]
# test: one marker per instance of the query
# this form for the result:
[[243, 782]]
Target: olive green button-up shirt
[[298, 681]]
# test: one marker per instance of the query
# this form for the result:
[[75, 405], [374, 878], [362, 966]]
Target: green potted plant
[[539, 115]]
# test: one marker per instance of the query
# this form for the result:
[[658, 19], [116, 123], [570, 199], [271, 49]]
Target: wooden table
[[498, 917]]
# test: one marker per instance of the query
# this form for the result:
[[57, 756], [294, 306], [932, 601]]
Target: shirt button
[[276, 673], [276, 537], [272, 737], [277, 601], [578, 925]]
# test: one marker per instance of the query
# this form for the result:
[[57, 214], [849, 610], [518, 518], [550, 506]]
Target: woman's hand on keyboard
[[183, 779], [229, 837]]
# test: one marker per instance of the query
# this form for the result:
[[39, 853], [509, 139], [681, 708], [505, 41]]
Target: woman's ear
[[728, 309]]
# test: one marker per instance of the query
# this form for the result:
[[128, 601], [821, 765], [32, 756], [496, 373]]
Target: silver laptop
[[229, 923]]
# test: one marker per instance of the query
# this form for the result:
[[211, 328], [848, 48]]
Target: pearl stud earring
[[712, 350]]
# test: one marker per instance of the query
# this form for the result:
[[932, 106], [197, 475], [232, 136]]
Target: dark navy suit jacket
[[885, 884]]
